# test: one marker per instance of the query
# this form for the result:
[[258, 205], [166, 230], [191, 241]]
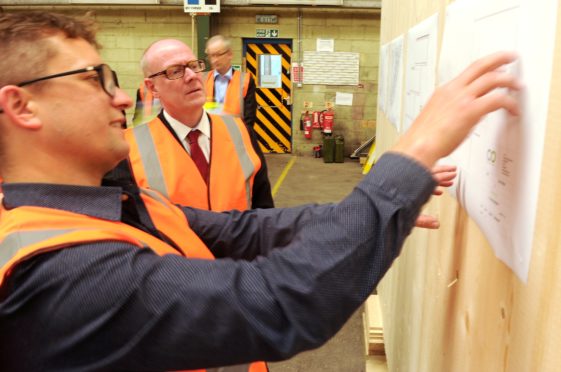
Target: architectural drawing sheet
[[500, 162], [382, 77], [395, 82], [420, 75]]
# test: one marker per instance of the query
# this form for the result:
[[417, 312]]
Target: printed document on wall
[[395, 82], [383, 77], [420, 75], [500, 162]]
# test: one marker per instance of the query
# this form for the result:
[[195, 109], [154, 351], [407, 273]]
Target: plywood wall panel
[[449, 304]]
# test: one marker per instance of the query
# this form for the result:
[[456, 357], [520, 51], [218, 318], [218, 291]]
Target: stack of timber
[[374, 327]]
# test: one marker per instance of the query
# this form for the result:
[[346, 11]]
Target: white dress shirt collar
[[182, 130]]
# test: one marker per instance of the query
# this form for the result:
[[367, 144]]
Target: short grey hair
[[219, 38]]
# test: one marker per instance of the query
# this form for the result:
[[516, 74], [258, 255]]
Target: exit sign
[[267, 32]]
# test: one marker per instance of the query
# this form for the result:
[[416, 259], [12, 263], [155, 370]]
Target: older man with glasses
[[196, 159]]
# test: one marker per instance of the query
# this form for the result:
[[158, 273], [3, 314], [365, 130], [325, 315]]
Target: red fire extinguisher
[[327, 122], [307, 125], [316, 119]]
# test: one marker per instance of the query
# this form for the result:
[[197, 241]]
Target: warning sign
[[202, 6], [297, 73]]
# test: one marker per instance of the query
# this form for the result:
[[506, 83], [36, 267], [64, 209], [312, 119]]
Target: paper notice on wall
[[383, 77], [420, 70], [343, 99], [319, 68], [325, 45], [395, 82], [499, 164]]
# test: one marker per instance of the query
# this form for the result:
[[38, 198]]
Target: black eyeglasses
[[107, 78], [178, 71]]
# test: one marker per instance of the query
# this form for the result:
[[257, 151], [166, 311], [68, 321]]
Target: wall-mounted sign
[[201, 6], [297, 72], [325, 45], [271, 19], [267, 32]]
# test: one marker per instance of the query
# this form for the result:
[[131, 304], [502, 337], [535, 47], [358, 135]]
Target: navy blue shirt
[[286, 279]]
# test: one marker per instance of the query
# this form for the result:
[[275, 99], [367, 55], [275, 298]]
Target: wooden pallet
[[374, 327]]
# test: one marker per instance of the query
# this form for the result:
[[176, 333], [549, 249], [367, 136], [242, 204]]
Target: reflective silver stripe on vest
[[150, 160], [245, 161], [154, 195], [242, 103], [238, 368], [21, 239]]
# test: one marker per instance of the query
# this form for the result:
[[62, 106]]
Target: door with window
[[269, 61]]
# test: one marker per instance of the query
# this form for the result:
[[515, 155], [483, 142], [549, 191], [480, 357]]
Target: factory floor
[[303, 179]]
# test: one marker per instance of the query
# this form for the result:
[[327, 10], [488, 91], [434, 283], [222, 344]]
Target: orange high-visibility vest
[[159, 162], [29, 231], [147, 99], [235, 92], [147, 107]]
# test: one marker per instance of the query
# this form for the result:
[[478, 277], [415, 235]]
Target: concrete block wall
[[354, 30], [125, 34], [125, 31]]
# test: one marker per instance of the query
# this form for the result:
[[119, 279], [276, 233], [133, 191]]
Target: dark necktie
[[197, 154]]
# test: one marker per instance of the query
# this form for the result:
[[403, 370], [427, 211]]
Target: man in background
[[228, 90], [196, 159]]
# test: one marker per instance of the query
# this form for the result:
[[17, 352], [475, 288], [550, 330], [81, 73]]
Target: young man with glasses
[[196, 159], [228, 91], [117, 278]]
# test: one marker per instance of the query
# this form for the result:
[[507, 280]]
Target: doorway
[[269, 61]]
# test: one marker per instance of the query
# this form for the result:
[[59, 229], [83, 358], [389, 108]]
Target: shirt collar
[[227, 75], [183, 130], [100, 202]]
